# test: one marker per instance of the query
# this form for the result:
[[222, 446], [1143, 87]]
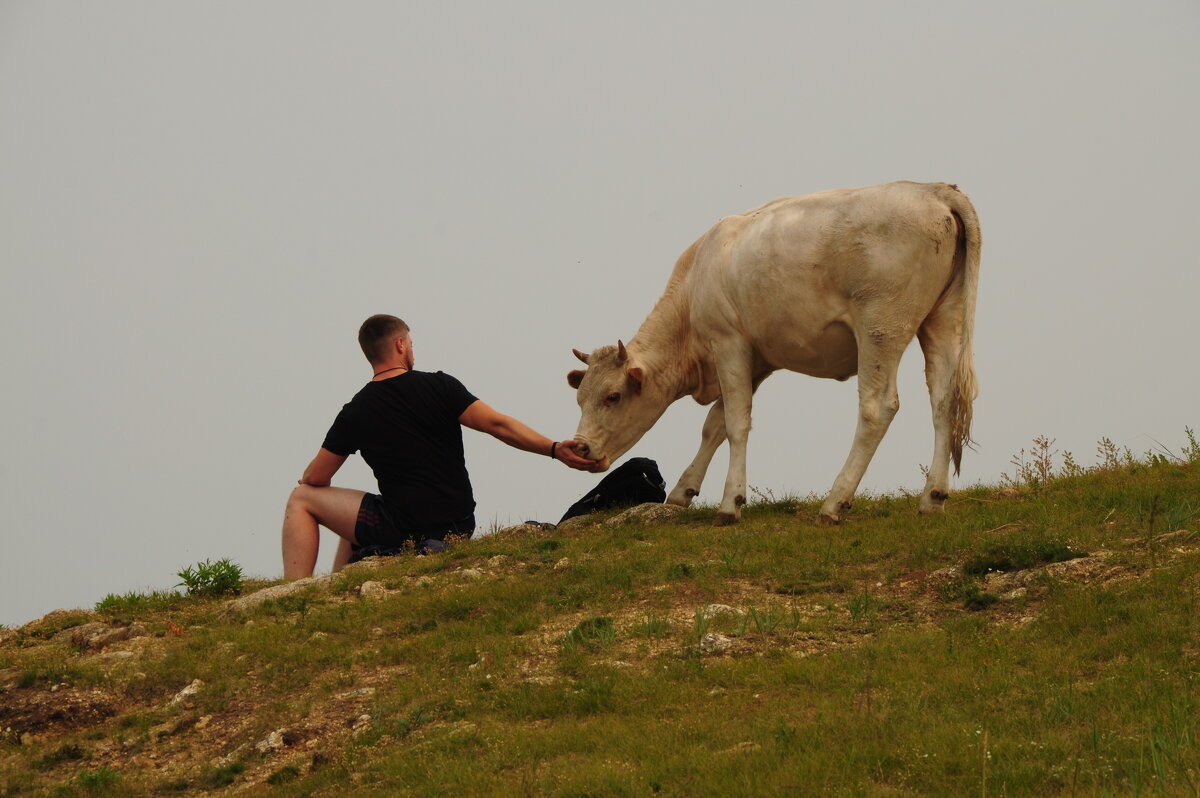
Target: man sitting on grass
[[408, 426]]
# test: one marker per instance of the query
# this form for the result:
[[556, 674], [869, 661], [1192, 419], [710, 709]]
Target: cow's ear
[[635, 379], [574, 378], [583, 356]]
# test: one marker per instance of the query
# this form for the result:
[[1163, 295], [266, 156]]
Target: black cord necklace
[[385, 371]]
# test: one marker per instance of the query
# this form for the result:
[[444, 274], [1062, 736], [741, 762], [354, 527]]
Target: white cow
[[831, 285]]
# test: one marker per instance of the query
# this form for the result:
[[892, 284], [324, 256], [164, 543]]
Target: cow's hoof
[[933, 502], [725, 519]]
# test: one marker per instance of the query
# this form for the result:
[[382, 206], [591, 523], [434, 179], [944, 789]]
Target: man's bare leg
[[308, 509], [343, 554]]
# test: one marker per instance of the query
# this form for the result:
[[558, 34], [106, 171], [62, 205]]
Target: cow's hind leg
[[878, 403], [941, 341], [711, 437]]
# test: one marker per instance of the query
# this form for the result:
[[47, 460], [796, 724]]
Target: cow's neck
[[666, 347]]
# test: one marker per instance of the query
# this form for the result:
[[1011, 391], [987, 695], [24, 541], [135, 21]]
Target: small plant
[[1191, 452], [1020, 556], [765, 622], [654, 626], [98, 781], [224, 775], [976, 599], [133, 602], [591, 634], [68, 752], [863, 606], [680, 570], [699, 630], [1110, 458], [1178, 515], [283, 775], [1037, 471], [212, 579]]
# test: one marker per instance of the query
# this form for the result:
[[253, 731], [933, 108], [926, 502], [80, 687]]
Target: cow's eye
[[612, 398]]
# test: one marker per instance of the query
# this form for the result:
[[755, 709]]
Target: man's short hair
[[376, 334]]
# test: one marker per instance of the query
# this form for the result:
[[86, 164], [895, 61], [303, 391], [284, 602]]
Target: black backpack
[[635, 481]]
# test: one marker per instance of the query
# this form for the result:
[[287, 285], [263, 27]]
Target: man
[[407, 425]]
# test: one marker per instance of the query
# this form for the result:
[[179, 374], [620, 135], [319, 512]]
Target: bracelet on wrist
[[553, 449]]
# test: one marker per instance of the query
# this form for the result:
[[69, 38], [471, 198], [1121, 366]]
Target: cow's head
[[616, 404]]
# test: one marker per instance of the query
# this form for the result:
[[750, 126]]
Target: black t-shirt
[[407, 429]]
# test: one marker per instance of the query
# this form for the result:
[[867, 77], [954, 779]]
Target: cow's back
[[800, 277]]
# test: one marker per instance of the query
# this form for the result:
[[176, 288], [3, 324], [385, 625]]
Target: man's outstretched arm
[[479, 416]]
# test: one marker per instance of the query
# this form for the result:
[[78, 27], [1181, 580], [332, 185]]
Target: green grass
[[575, 666]]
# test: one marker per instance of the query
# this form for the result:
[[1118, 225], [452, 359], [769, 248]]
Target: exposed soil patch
[[40, 711]]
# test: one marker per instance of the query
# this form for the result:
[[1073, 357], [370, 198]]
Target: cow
[[833, 285]]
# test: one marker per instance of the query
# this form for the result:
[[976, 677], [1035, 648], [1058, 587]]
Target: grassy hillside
[[1039, 638]]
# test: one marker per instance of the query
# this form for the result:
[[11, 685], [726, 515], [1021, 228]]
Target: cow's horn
[[581, 355], [622, 355]]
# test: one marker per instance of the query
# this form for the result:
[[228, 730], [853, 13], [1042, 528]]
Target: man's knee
[[301, 497]]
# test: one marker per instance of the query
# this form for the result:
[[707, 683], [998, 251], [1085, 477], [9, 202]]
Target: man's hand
[[566, 451]]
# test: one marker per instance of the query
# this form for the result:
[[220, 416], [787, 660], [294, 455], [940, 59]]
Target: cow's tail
[[965, 387]]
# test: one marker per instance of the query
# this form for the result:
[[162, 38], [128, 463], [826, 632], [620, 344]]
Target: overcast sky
[[200, 202]]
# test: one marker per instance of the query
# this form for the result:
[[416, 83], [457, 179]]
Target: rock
[[578, 522], [944, 575], [528, 526], [96, 636], [173, 726], [565, 562], [648, 513], [62, 619], [723, 611], [425, 581], [365, 564], [471, 573], [272, 742], [9, 676], [362, 692], [713, 643], [499, 561], [76, 635], [187, 693], [258, 598], [317, 637], [360, 725], [372, 590]]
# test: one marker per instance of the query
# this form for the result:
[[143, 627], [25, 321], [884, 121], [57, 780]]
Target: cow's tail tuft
[[965, 387]]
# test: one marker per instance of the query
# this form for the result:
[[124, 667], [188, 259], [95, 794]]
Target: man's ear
[[574, 378], [635, 378]]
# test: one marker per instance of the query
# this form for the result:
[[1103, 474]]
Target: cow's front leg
[[711, 436], [737, 393]]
